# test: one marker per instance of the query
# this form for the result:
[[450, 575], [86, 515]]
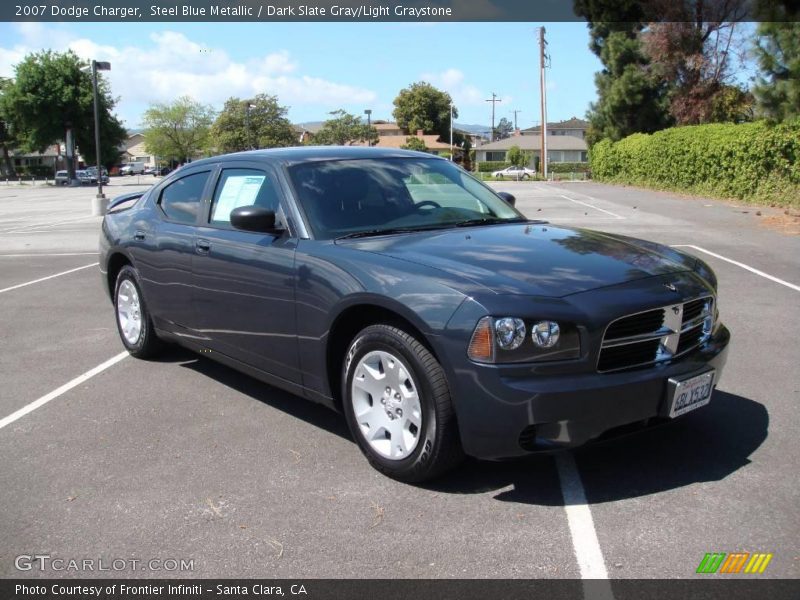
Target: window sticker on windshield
[[238, 190]]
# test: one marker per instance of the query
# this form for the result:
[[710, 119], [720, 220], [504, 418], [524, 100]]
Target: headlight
[[509, 333], [504, 340], [545, 334]]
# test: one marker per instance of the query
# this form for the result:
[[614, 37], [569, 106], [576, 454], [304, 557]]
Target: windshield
[[348, 197]]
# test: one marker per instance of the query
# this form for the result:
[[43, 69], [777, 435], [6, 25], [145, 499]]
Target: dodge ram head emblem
[[671, 287]]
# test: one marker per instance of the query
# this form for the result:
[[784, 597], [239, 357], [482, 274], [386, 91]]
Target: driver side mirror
[[254, 218], [509, 198]]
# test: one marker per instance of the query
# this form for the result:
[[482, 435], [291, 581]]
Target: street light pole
[[99, 205], [368, 112]]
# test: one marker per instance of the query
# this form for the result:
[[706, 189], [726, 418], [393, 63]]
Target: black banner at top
[[287, 10], [361, 10]]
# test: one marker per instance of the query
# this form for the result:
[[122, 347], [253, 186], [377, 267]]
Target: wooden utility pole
[[493, 100], [543, 128], [515, 118]]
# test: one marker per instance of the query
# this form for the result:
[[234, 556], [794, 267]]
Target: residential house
[[46, 162], [390, 135], [566, 148], [133, 150]]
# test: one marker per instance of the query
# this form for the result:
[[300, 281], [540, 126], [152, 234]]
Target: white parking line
[[581, 528], [34, 254], [792, 286], [22, 228], [64, 388], [20, 285], [603, 210]]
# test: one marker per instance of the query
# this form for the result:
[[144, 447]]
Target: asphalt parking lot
[[182, 458]]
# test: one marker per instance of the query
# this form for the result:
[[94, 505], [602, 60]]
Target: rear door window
[[181, 200]]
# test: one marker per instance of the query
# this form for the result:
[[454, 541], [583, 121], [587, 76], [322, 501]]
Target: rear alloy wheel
[[133, 321], [398, 406]]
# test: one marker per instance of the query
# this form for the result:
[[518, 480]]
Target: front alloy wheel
[[398, 407], [386, 404], [133, 320]]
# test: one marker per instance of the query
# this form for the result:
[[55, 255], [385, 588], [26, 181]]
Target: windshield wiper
[[488, 221], [386, 231]]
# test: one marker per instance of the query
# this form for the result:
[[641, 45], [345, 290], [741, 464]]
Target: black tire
[[438, 448], [147, 344]]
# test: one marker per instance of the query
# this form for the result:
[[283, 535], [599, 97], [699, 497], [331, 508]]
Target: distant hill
[[485, 129]]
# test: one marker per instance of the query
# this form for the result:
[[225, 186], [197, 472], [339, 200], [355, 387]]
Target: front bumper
[[503, 416]]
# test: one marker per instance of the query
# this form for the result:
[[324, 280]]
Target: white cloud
[[170, 64], [452, 82]]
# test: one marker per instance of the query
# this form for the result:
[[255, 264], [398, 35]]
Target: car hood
[[529, 258]]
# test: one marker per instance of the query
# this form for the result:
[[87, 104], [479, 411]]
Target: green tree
[[515, 156], [731, 104], [503, 129], [52, 92], [7, 141], [257, 123], [422, 106], [629, 97], [178, 131], [344, 129], [777, 50], [414, 143]]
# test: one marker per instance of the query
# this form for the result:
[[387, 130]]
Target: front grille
[[690, 338], [637, 324], [621, 357], [693, 309], [655, 335]]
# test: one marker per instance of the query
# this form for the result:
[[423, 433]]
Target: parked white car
[[132, 168], [514, 173]]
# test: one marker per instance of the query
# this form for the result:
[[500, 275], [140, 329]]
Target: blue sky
[[315, 68]]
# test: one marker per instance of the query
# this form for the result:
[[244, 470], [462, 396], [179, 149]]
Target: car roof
[[297, 154]]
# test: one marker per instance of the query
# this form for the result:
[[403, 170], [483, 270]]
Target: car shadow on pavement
[[707, 445], [305, 410]]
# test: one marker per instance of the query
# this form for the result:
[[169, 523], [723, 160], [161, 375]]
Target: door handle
[[202, 246], [139, 235]]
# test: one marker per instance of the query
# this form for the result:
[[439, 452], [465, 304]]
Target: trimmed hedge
[[755, 162], [36, 171], [568, 167]]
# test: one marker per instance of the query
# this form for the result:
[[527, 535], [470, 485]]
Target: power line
[[494, 99], [544, 61], [515, 118]]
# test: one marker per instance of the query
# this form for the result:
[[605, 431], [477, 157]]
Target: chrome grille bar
[[685, 326]]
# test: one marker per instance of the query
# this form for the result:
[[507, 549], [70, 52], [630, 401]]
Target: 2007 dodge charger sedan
[[396, 288]]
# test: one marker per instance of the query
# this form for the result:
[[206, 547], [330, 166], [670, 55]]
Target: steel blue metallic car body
[[285, 306]]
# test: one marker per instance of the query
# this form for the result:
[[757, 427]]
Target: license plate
[[691, 393]]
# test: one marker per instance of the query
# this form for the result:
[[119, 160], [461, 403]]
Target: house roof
[[534, 142], [573, 123], [398, 141]]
